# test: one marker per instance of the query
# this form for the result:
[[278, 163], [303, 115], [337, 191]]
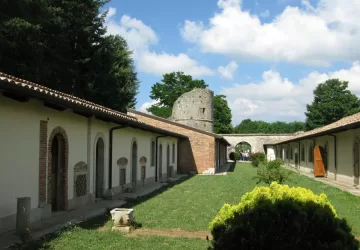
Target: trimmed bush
[[272, 171], [257, 159], [234, 156], [280, 217]]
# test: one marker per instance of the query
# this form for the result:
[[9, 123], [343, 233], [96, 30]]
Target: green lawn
[[190, 206]]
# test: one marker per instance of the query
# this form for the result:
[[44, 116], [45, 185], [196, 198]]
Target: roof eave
[[20, 90]]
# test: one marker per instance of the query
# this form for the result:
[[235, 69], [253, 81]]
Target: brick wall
[[196, 154]]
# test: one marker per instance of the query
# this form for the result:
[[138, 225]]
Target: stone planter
[[122, 219]]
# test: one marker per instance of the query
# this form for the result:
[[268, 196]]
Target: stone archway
[[58, 155], [244, 150]]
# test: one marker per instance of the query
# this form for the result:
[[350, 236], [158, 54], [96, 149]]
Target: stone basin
[[122, 217]]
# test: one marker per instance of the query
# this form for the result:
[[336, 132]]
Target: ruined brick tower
[[195, 109]]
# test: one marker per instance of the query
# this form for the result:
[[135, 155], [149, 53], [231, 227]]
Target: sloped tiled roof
[[217, 136], [349, 122], [16, 85]]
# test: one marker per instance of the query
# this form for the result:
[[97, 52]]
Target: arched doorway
[[160, 161], [244, 150], [99, 172], [58, 173], [134, 163], [356, 162]]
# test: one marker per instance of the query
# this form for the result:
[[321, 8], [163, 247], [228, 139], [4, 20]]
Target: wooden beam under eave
[[16, 97], [87, 115], [54, 106]]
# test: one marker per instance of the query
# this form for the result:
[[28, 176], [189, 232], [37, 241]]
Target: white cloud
[[265, 14], [111, 13], [140, 37], [146, 105], [315, 35], [228, 71], [277, 98], [159, 64]]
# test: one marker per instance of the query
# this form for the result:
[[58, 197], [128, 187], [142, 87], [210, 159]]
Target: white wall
[[19, 150], [345, 155], [270, 154]]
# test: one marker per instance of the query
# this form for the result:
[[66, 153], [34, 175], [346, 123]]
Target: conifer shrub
[[272, 171], [257, 158], [234, 156], [280, 217]]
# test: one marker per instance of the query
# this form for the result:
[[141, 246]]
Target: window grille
[[80, 184]]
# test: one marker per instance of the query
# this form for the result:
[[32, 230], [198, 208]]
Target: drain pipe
[[156, 156], [335, 156], [111, 132]]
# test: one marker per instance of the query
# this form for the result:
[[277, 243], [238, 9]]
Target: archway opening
[[244, 150], [58, 172], [160, 161], [134, 163], [99, 172]]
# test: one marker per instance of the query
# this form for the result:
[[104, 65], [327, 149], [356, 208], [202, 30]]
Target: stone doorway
[[356, 163], [58, 172], [99, 184], [134, 163], [160, 161]]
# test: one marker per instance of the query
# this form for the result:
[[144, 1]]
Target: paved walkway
[[62, 219], [340, 185]]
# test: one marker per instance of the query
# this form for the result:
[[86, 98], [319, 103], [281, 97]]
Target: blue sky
[[265, 56]]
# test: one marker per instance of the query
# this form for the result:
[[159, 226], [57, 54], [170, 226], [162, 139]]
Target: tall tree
[[62, 44], [248, 126], [171, 87], [116, 83], [222, 115], [332, 101]]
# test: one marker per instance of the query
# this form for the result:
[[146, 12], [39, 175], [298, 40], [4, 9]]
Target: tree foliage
[[222, 115], [248, 126], [62, 44], [281, 217], [173, 85], [332, 101]]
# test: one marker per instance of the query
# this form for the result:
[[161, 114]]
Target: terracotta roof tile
[[340, 125], [57, 95]]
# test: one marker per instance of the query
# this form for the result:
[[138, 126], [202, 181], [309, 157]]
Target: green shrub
[[272, 171], [280, 217], [234, 156], [257, 159]]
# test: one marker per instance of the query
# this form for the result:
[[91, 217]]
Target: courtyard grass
[[190, 206]]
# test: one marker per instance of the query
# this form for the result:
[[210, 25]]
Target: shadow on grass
[[100, 221], [97, 222], [232, 167]]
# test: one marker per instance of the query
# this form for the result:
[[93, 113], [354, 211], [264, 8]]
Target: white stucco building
[[340, 146], [64, 152]]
